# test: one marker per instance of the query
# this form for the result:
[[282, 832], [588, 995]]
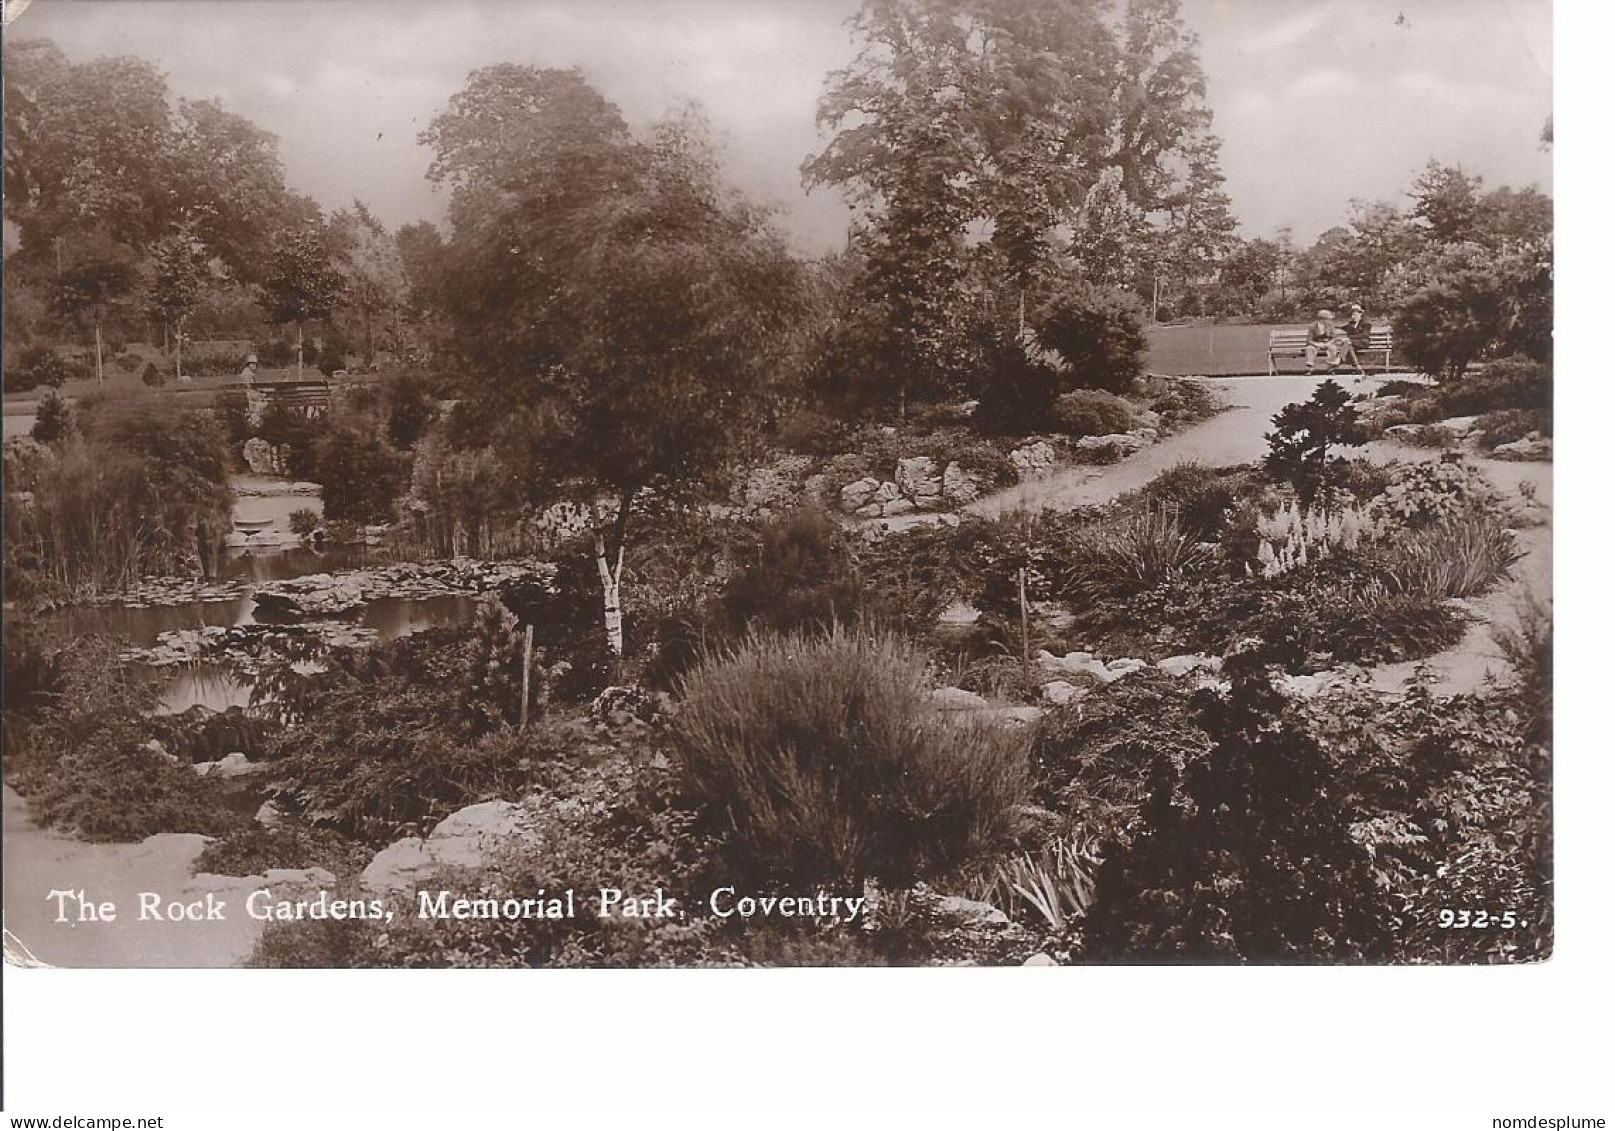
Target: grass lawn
[[1220, 351]]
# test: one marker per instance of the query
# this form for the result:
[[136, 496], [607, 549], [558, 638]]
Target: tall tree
[[99, 275], [302, 285], [179, 273], [372, 269], [619, 309]]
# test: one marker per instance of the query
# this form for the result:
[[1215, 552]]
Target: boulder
[[1183, 665], [1033, 460], [1040, 959], [1531, 446], [886, 492], [465, 838], [1120, 443], [268, 815], [858, 493], [896, 506], [915, 474], [232, 765], [1059, 691], [957, 699], [958, 485], [260, 456], [869, 510]]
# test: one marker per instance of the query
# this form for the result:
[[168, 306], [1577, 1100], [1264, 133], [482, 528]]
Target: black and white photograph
[[912, 482]]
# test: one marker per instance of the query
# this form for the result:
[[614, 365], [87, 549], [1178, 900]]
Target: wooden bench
[[1291, 341]]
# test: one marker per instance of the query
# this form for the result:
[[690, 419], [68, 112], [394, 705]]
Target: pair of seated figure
[[1336, 344]]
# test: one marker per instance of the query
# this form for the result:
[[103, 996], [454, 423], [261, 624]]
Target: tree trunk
[[299, 351], [611, 575], [527, 673], [1026, 633], [179, 345], [99, 376], [611, 594]]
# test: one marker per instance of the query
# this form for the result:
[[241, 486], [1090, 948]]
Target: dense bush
[[1455, 557], [811, 433], [360, 475], [411, 404], [54, 420], [1201, 497], [802, 577], [825, 762], [40, 365], [1305, 436], [1508, 382], [1016, 391], [1098, 333], [1092, 412], [1187, 402], [1091, 757], [1131, 553], [1506, 425], [1244, 854], [405, 732], [87, 764], [1435, 490]]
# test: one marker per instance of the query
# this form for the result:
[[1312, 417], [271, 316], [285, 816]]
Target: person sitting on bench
[[1353, 332], [1321, 336]]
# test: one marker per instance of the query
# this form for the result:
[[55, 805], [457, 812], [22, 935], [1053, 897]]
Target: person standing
[[249, 373], [1321, 339]]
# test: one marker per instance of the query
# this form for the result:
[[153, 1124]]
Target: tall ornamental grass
[[827, 763]]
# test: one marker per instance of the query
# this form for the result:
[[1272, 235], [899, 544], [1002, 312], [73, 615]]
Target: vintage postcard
[[747, 484]]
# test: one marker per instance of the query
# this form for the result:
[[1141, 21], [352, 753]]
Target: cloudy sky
[[1318, 101]]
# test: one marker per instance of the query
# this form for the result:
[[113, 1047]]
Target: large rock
[[918, 476], [858, 493], [1120, 443], [1183, 665], [1059, 691], [233, 765], [1033, 460], [896, 507], [1532, 446], [260, 456], [466, 838], [957, 699], [886, 493], [958, 485]]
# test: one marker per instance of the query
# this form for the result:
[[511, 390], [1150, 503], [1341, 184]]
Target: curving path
[[1238, 435]]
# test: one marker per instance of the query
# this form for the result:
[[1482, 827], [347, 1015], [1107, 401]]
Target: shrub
[[827, 764], [299, 436], [1455, 557], [360, 475], [1092, 412], [1200, 496], [151, 376], [304, 521], [41, 365], [801, 578], [253, 849], [1091, 758], [54, 421], [1017, 394], [1450, 323], [1432, 491], [812, 433], [1244, 854], [86, 764], [1303, 436], [1098, 333], [1138, 552], [1188, 402], [1508, 382], [1506, 425]]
